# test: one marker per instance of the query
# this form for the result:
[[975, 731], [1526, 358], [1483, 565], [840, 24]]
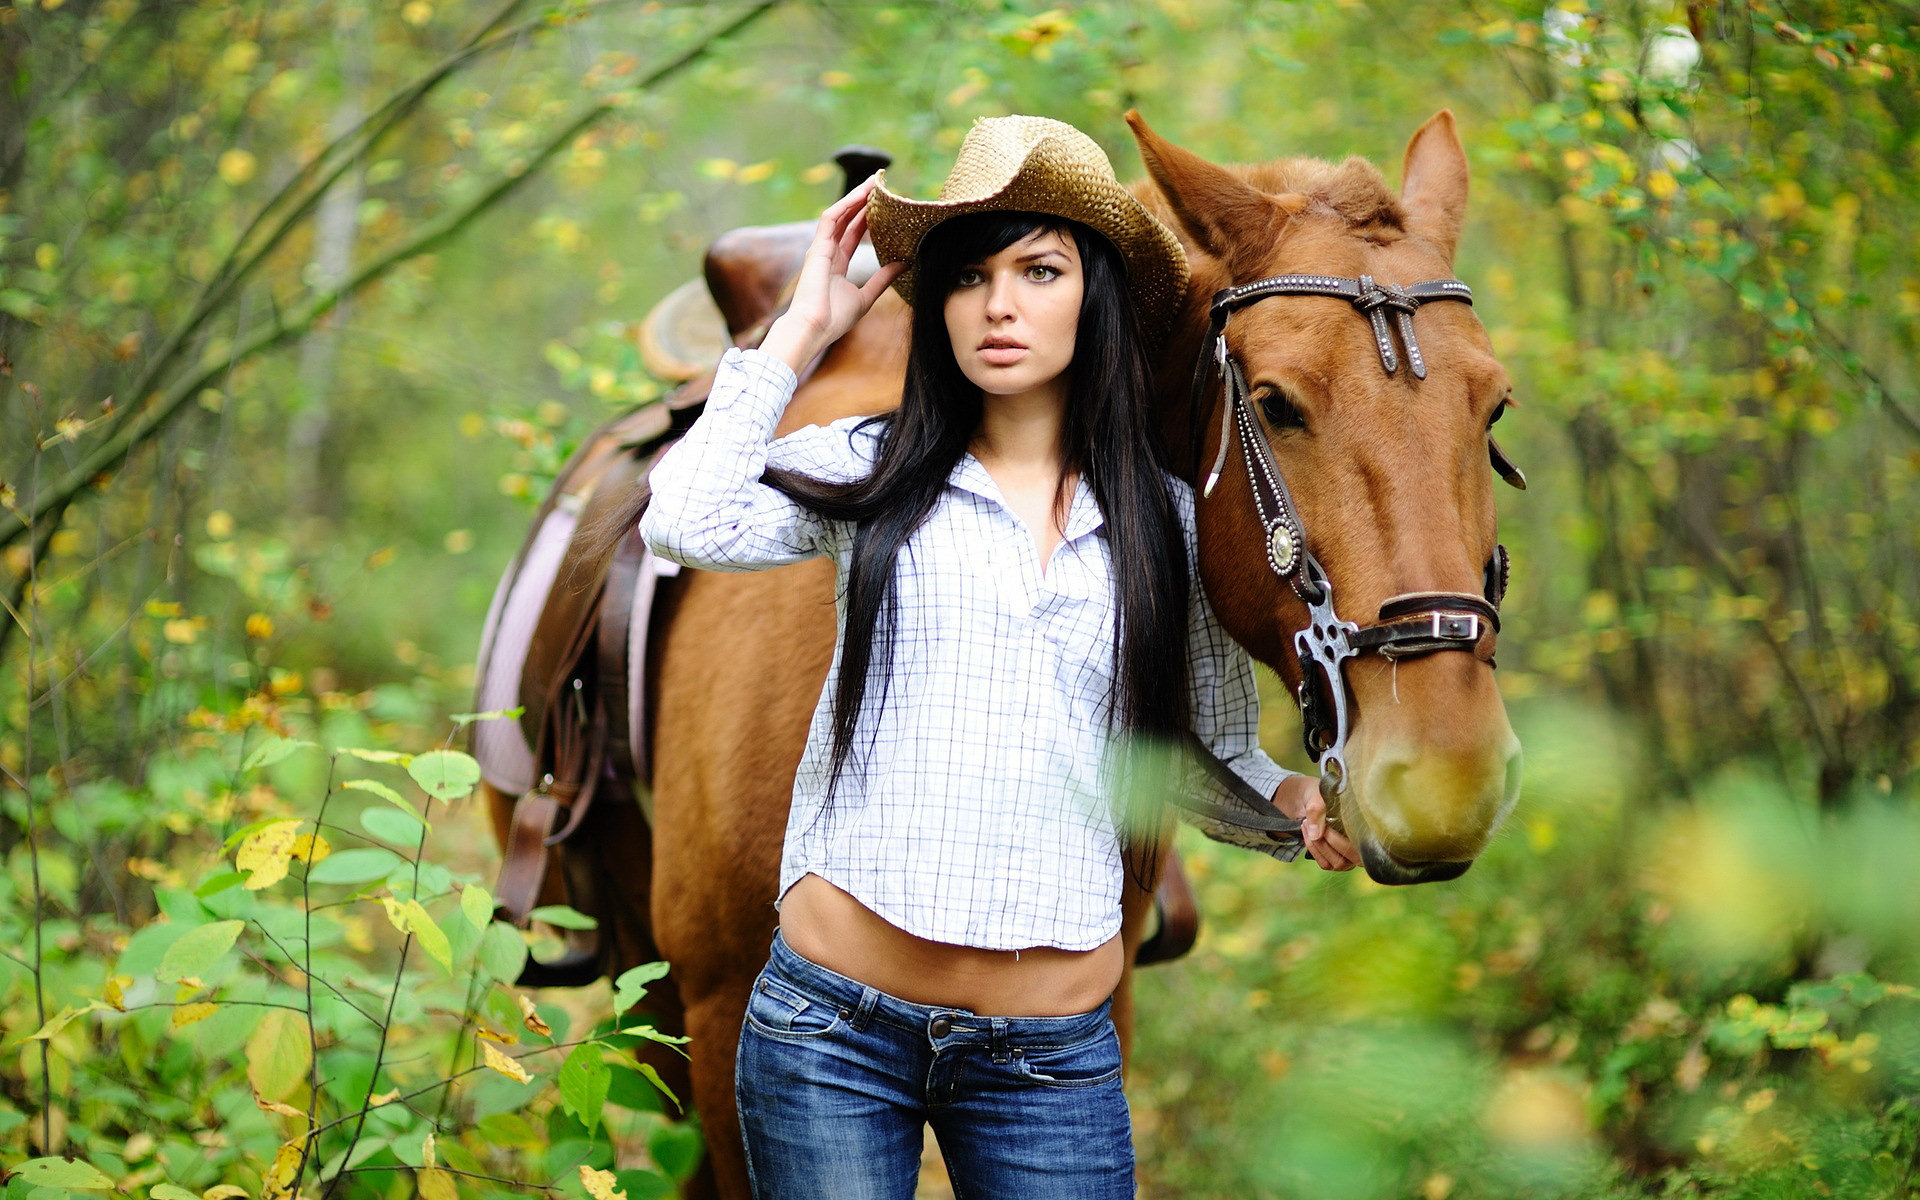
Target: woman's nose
[[1000, 296]]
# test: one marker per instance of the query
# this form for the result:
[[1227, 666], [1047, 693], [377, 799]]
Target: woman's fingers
[[842, 213], [856, 228], [880, 282]]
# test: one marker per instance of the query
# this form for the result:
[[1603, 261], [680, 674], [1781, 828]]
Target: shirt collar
[[1083, 513]]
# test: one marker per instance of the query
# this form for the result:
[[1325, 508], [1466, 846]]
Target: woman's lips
[[1003, 356]]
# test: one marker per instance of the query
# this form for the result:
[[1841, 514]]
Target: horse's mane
[[1353, 190]]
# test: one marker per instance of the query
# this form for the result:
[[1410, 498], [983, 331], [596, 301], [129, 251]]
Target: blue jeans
[[835, 1081]]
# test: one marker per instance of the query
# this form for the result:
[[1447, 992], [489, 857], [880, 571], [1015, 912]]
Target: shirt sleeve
[[708, 507], [1225, 698]]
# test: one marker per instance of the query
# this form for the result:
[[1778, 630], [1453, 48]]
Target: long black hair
[[1110, 438]]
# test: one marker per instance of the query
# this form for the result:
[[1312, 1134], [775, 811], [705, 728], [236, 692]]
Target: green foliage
[[301, 305], [273, 1027]]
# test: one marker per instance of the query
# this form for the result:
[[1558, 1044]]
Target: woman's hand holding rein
[[826, 304]]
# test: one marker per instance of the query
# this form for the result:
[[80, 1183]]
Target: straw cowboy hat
[[1036, 164]]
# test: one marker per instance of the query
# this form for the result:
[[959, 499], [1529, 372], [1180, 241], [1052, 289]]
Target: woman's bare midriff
[[828, 926]]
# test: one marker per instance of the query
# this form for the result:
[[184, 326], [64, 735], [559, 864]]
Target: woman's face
[[1012, 317]]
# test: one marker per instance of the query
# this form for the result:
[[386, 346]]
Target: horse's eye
[[1281, 413], [1500, 410]]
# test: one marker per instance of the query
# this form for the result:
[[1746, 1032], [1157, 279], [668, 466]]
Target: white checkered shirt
[[974, 808]]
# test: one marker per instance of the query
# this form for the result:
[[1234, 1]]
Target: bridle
[[1407, 625]]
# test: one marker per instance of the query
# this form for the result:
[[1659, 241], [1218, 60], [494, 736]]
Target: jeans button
[[941, 1026]]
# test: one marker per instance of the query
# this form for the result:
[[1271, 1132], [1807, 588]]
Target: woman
[[1017, 611]]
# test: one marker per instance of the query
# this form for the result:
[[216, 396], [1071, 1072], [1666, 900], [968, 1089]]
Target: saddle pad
[[505, 756]]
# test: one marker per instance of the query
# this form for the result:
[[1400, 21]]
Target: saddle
[[567, 633]]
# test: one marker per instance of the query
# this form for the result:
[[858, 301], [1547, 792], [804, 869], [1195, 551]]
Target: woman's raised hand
[[825, 302]]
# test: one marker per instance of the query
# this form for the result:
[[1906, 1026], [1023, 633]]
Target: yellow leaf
[[435, 1184], [599, 1184], [509, 1067], [259, 626], [311, 848], [427, 1157], [275, 1106], [263, 855], [383, 1098], [115, 991], [279, 1053], [396, 912], [277, 1184], [235, 167], [181, 631], [494, 1035], [224, 1191], [755, 173], [186, 1014], [532, 1019]]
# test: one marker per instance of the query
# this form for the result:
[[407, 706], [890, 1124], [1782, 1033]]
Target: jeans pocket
[[780, 1011], [1089, 1064]]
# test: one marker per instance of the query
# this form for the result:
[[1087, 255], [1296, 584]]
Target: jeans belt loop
[[997, 1038], [869, 1000]]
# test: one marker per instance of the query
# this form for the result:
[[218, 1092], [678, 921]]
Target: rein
[[1407, 625]]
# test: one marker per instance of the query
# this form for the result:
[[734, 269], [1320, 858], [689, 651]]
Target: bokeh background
[[302, 304]]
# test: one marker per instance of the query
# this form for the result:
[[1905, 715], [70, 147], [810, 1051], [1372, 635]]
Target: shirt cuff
[[753, 381], [1260, 773]]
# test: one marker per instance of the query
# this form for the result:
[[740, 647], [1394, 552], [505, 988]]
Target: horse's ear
[[1221, 213], [1433, 184]]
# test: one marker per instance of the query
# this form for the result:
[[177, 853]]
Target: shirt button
[[941, 1026]]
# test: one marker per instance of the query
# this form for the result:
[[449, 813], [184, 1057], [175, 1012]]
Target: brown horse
[[1390, 480]]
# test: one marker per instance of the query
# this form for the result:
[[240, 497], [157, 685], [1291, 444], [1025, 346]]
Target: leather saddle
[[567, 633]]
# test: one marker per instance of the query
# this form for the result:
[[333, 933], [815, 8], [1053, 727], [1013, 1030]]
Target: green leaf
[[633, 982], [62, 1172], [198, 949], [476, 903], [653, 1077], [392, 825], [362, 864], [654, 1035], [268, 753], [170, 1191], [377, 756], [498, 714], [279, 1053], [384, 792], [445, 774], [503, 952], [676, 1146], [213, 885], [641, 1184], [583, 1083], [562, 917]]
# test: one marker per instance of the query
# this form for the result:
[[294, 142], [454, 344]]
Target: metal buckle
[[1456, 627]]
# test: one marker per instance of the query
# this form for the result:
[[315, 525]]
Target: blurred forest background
[[302, 304]]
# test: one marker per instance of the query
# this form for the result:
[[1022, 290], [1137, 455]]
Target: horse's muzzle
[[1385, 868]]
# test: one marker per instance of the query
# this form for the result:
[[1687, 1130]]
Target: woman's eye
[[1281, 413], [968, 278], [1041, 274]]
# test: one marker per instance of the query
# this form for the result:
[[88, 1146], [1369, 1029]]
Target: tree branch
[[48, 508]]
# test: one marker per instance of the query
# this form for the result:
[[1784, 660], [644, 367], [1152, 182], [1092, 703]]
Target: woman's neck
[[1020, 434]]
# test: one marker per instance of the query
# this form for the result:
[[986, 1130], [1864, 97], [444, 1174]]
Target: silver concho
[[1280, 548]]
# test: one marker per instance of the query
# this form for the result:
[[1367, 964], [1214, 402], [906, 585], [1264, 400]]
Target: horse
[[1386, 496]]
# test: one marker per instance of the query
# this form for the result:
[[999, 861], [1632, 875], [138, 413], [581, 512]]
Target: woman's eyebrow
[[1037, 255]]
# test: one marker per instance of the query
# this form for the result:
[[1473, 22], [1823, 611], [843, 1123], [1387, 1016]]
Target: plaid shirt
[[975, 806]]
